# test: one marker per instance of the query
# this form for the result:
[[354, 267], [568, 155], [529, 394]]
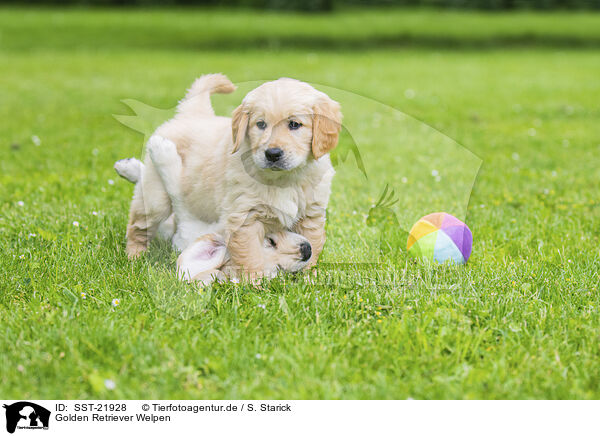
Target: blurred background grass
[[221, 29], [329, 5]]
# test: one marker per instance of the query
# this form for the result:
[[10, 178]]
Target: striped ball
[[440, 237]]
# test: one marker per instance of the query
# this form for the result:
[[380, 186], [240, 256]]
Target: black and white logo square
[[26, 415]]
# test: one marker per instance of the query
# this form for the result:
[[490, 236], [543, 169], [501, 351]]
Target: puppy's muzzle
[[273, 154]]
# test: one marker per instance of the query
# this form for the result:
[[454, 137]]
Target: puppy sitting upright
[[265, 170]]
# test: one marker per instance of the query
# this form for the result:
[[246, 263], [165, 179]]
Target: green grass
[[236, 29], [521, 320]]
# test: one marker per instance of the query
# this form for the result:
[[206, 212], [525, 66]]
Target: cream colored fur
[[204, 255], [226, 180]]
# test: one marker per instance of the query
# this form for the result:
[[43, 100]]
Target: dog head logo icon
[[26, 415]]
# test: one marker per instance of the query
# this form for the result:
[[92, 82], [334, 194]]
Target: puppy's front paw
[[163, 151]]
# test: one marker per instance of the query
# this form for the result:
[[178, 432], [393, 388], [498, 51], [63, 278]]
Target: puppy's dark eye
[[293, 125], [261, 125], [272, 242]]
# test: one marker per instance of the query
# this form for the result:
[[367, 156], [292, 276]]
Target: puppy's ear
[[205, 255], [239, 125], [327, 122]]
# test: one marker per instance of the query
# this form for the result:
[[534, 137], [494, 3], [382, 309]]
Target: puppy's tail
[[197, 100]]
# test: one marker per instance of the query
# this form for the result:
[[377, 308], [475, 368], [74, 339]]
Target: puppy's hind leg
[[130, 169], [167, 162], [169, 166], [150, 207]]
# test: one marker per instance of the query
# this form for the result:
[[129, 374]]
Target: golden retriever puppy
[[208, 259], [265, 170], [204, 256]]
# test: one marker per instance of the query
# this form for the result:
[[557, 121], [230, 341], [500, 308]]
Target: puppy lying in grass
[[204, 256]]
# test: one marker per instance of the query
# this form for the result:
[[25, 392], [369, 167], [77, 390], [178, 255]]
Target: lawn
[[491, 117]]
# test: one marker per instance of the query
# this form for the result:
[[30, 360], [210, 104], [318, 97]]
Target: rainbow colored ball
[[440, 237]]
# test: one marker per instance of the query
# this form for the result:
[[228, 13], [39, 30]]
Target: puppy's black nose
[[305, 251], [273, 154]]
